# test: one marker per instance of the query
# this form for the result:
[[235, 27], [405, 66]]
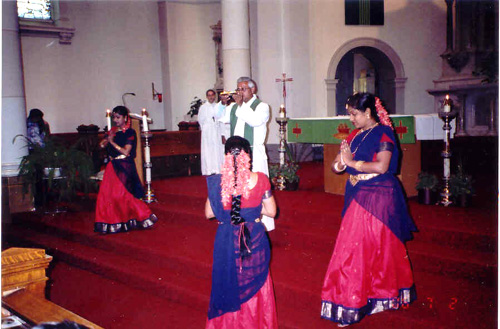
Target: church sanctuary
[[70, 71]]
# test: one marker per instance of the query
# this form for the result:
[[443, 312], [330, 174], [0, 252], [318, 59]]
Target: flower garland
[[231, 184], [382, 113]]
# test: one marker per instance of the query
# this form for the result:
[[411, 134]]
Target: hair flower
[[382, 113]]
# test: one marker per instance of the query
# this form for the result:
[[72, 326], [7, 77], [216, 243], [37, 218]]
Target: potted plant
[[427, 186], [195, 107], [461, 188], [65, 169], [289, 173]]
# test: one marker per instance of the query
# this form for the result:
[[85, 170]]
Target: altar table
[[410, 129]]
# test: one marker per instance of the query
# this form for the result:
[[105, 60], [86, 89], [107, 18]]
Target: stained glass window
[[34, 9]]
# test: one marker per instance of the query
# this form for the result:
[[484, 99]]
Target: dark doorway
[[365, 69]]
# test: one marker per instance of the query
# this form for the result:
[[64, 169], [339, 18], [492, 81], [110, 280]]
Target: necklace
[[364, 137]]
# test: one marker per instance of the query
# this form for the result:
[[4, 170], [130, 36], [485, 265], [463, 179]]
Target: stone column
[[13, 101], [235, 41], [399, 88], [449, 25], [331, 97]]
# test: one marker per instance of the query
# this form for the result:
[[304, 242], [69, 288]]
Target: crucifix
[[284, 80]]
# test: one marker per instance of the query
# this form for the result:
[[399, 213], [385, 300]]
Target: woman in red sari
[[242, 294], [369, 271], [119, 208]]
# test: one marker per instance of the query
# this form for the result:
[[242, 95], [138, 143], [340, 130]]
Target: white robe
[[258, 120], [212, 149]]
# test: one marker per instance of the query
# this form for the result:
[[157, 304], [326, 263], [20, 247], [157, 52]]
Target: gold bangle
[[118, 148], [358, 165]]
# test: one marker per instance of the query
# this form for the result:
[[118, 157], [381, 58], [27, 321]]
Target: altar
[[410, 130]]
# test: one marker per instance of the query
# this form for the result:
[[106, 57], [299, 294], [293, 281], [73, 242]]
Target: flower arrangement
[[288, 171]]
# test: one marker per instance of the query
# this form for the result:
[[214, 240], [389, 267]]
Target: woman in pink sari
[[242, 290], [369, 271]]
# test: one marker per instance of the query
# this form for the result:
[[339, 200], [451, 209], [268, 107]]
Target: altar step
[[181, 243], [319, 214], [458, 250], [298, 304]]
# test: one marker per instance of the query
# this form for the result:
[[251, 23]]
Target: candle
[[144, 121], [282, 111], [446, 171], [108, 119], [447, 104], [147, 155]]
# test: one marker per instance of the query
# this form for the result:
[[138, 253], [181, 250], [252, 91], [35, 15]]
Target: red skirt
[[369, 270], [117, 210], [259, 312]]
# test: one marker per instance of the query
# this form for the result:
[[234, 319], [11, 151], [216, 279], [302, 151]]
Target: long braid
[[236, 201], [234, 185], [236, 219]]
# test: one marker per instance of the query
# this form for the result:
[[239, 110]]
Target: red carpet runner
[[160, 278]]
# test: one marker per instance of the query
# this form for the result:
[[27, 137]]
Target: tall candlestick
[[447, 104], [108, 119], [144, 121]]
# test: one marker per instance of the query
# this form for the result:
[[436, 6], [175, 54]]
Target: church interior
[[434, 64]]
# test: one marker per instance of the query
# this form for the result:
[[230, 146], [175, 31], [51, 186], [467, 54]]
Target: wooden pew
[[23, 284]]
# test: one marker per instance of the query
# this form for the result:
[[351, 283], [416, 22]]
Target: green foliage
[[195, 107], [76, 167], [461, 183], [427, 181], [288, 171]]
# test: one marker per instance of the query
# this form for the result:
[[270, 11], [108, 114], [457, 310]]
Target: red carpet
[[160, 278]]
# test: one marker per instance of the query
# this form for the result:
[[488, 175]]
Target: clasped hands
[[345, 153], [110, 135], [345, 157]]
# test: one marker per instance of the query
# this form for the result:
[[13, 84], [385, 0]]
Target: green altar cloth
[[335, 129]]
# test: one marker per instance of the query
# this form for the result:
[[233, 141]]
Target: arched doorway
[[365, 64]]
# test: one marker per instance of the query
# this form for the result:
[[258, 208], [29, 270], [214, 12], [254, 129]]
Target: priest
[[248, 118]]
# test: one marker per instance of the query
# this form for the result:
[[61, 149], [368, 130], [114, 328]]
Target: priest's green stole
[[248, 134]]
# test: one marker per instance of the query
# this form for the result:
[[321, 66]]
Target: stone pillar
[[13, 101], [235, 41], [399, 88], [449, 25], [331, 97]]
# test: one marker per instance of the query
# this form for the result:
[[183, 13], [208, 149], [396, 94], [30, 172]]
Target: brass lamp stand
[[447, 116], [282, 121]]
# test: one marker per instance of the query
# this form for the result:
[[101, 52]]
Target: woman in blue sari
[[369, 271], [242, 290]]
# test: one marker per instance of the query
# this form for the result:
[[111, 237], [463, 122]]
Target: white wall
[[191, 54], [279, 36], [115, 50], [416, 30]]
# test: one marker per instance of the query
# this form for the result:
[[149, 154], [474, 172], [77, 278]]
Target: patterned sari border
[[349, 315], [132, 224]]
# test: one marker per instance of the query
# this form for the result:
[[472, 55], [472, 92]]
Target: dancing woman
[[242, 290], [119, 208], [369, 271]]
